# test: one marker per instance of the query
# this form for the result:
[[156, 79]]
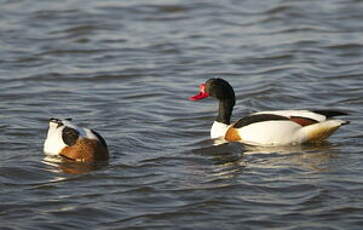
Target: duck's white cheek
[[53, 144]]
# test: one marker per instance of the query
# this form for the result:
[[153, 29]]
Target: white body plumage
[[281, 132]]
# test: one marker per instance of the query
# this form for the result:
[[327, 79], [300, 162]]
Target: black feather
[[100, 138], [223, 91], [70, 136], [330, 113], [258, 118]]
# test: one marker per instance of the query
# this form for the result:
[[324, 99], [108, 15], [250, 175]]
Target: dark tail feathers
[[330, 113]]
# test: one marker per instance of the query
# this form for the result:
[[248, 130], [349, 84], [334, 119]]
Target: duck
[[267, 128], [73, 143]]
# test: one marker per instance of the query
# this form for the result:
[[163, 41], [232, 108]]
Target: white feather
[[218, 129], [54, 144], [271, 133], [283, 133]]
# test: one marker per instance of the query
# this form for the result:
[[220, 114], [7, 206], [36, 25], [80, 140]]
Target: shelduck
[[73, 143], [267, 128]]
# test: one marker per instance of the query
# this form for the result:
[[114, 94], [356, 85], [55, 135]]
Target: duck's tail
[[322, 130]]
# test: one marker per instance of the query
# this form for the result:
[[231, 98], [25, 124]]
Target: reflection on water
[[60, 165], [314, 157]]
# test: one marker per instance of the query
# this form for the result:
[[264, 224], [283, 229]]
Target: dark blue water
[[127, 68]]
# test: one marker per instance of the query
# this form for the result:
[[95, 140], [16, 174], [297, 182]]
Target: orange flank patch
[[232, 135], [85, 150], [303, 121]]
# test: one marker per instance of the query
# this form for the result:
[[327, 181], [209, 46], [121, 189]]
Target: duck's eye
[[59, 124]]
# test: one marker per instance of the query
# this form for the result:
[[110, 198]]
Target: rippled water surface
[[127, 68]]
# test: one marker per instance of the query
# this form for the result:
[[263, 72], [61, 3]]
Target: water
[[126, 69]]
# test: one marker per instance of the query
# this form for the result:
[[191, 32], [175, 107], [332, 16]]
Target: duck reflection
[[227, 163], [312, 157], [60, 165], [315, 157]]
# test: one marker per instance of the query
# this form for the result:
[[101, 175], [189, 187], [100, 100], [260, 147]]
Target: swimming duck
[[267, 128], [74, 143]]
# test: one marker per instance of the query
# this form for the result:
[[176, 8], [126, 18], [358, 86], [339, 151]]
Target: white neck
[[218, 129]]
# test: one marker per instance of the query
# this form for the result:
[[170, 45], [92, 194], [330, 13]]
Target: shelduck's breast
[[218, 129], [74, 143]]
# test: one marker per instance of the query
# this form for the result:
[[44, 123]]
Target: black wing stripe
[[330, 113], [70, 136], [103, 141], [258, 118]]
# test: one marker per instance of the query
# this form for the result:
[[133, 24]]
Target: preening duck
[[74, 143], [267, 128]]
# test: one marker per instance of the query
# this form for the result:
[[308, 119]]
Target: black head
[[223, 91], [220, 89], [215, 87]]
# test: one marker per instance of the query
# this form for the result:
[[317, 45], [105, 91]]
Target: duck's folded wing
[[316, 115]]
